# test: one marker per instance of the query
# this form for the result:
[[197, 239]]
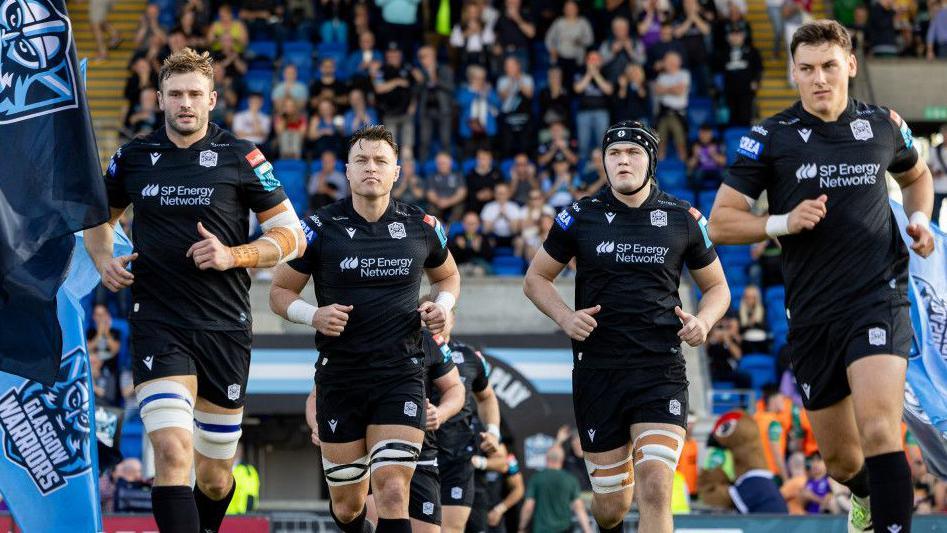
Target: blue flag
[[48, 469], [50, 179], [925, 395]]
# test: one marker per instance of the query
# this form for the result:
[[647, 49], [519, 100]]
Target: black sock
[[859, 484], [212, 511], [358, 525], [174, 509], [892, 492], [618, 528], [394, 525]]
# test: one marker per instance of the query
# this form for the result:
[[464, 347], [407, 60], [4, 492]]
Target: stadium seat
[[292, 174], [775, 294], [672, 174], [455, 229], [132, 432], [734, 254], [700, 111], [259, 81], [736, 294], [298, 53], [681, 193], [760, 367], [723, 398], [508, 266], [468, 165], [705, 200], [503, 251], [736, 275], [506, 166], [261, 54]]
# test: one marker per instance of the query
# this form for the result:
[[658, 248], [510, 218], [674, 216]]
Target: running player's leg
[[454, 518], [393, 452], [424, 506], [837, 435], [656, 448], [216, 434], [877, 384], [346, 469], [457, 494], [613, 485]]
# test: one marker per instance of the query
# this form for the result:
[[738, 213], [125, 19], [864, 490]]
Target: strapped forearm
[[280, 243]]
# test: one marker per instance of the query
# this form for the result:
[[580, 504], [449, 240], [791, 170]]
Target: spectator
[[554, 99], [481, 180], [325, 131], [937, 31], [774, 9], [754, 329], [132, 494], [200, 9], [707, 160], [226, 24], [937, 161], [792, 488], [724, 353], [399, 22], [144, 117], [409, 188], [141, 78], [567, 39], [470, 249], [523, 178], [446, 190], [593, 176], [593, 91], [264, 19], [620, 50], [766, 256], [103, 340], [515, 90], [742, 72], [551, 497], [650, 21], [327, 183], [735, 20], [289, 89], [559, 143], [98, 18], [290, 127], [246, 482], [693, 31], [361, 23], [531, 216], [328, 87], [359, 62], [881, 30], [672, 88], [501, 217], [658, 51], [253, 124], [192, 31], [227, 97], [229, 58], [817, 494], [471, 38], [632, 100], [395, 95], [567, 438], [531, 242], [559, 186], [479, 106], [514, 32], [858, 31], [299, 19], [149, 27], [176, 42], [359, 115], [435, 100]]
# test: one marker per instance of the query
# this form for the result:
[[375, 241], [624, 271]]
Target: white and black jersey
[[217, 181], [854, 256], [376, 267], [629, 261]]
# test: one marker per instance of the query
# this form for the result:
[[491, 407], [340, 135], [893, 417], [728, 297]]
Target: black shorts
[[344, 409], [219, 359], [425, 504], [608, 401], [457, 483], [820, 353]]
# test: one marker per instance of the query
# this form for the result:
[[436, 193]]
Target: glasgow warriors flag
[[925, 394], [50, 179]]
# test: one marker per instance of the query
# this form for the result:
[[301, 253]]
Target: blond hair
[[185, 61]]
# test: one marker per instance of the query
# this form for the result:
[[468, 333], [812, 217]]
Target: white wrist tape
[[301, 312], [446, 300], [494, 430], [777, 225], [921, 219]]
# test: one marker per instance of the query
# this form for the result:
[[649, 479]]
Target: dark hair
[[374, 133], [819, 32]]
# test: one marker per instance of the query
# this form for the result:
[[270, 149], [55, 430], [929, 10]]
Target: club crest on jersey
[[877, 336], [208, 158], [861, 129], [659, 218], [397, 231], [45, 430]]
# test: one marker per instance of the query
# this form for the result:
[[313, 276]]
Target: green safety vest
[[247, 482]]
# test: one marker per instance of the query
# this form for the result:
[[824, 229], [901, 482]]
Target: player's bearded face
[[627, 167], [822, 73], [372, 169], [187, 100]]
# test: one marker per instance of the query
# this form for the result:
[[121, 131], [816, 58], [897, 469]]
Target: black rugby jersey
[[455, 438], [216, 181], [376, 267], [854, 256], [629, 261], [437, 364]]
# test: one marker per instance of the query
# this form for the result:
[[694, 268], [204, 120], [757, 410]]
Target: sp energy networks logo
[[936, 315], [46, 429], [378, 267], [36, 77], [178, 195], [633, 252], [833, 176]]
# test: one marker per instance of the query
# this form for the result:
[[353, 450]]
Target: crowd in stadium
[[498, 108]]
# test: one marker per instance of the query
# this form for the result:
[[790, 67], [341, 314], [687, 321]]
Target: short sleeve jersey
[[854, 256], [376, 267], [457, 434], [437, 364], [216, 181], [629, 261]]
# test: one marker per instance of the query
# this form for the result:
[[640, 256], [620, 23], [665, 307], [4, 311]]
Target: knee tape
[[394, 452], [166, 404], [659, 445], [611, 478], [345, 474], [216, 435]]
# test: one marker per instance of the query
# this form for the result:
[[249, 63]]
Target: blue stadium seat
[[298, 53], [468, 165], [503, 251], [292, 174], [455, 229], [734, 254], [132, 432], [428, 167], [731, 139], [261, 54], [506, 166], [681, 193], [508, 266], [700, 111], [736, 275], [724, 399], [705, 200], [259, 81], [775, 294], [672, 174], [760, 367], [736, 294]]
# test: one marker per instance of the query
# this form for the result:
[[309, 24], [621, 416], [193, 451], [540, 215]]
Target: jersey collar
[[161, 136], [606, 196], [808, 118], [349, 207]]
